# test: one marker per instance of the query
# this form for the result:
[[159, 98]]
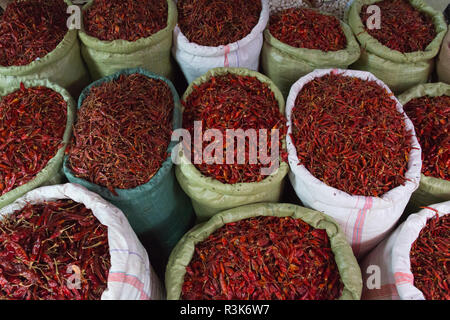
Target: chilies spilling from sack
[[430, 255], [263, 258], [125, 19], [54, 250], [122, 133], [31, 29], [430, 116], [32, 125], [349, 134], [219, 22], [306, 28]]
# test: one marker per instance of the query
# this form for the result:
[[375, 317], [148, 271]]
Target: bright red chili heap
[[430, 259], [307, 28], [125, 19], [403, 27], [263, 258], [122, 133], [349, 134], [40, 243], [430, 116], [32, 125], [218, 22], [234, 102], [31, 29]]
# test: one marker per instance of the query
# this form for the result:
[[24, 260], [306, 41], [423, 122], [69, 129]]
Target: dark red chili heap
[[217, 22], [403, 27], [349, 134], [32, 125], [44, 246], [307, 28], [122, 133], [125, 19], [430, 116], [234, 102], [31, 29], [430, 259], [263, 258]]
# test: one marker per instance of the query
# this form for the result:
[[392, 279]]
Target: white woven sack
[[131, 277], [364, 220], [392, 258], [195, 60]]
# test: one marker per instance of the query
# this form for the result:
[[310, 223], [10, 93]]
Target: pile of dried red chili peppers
[[349, 134], [125, 19], [32, 125], [263, 258], [219, 22], [31, 29], [307, 28], [122, 133], [430, 257], [43, 249], [430, 116], [235, 102], [403, 27]]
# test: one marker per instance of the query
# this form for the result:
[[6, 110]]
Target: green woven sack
[[285, 64], [52, 172], [347, 265], [158, 211], [400, 71], [210, 196], [62, 66], [431, 190], [152, 53]]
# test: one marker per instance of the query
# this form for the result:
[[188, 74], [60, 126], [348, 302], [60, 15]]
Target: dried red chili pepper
[[349, 134], [307, 28], [218, 22], [38, 266], [31, 29], [429, 256], [234, 102], [32, 125], [122, 133], [403, 27], [430, 116], [263, 258], [125, 19]]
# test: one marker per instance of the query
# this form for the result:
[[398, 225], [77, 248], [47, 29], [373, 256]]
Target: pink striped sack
[[195, 60], [364, 220], [131, 276], [390, 260]]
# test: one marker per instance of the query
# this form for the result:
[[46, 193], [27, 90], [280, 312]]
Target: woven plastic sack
[[131, 276], [393, 260], [347, 265], [364, 220], [210, 196], [159, 212], [62, 66], [431, 190], [443, 60], [52, 172], [400, 71], [285, 64], [104, 58], [195, 60]]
